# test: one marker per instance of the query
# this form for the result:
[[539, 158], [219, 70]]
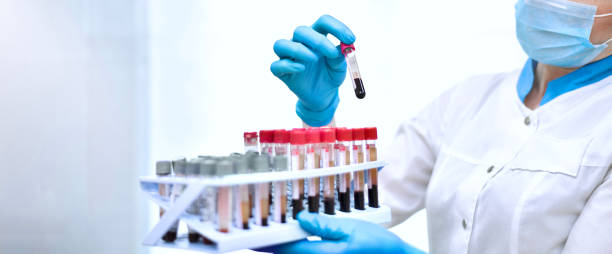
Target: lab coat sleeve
[[592, 231], [411, 158]]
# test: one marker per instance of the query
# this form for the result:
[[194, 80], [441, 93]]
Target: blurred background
[[93, 92]]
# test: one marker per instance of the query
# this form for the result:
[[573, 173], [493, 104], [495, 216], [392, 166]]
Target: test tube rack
[[236, 239]]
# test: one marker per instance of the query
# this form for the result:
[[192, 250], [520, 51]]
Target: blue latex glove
[[313, 68], [341, 235]]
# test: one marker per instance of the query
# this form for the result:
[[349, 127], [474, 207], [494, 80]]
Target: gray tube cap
[[241, 163], [225, 167], [261, 163], [280, 163], [163, 168], [193, 167], [179, 166], [207, 167]]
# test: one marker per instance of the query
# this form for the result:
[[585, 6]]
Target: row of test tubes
[[276, 150]]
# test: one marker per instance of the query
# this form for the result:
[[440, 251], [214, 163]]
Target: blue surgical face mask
[[556, 32]]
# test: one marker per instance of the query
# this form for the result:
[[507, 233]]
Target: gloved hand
[[313, 68], [342, 235]]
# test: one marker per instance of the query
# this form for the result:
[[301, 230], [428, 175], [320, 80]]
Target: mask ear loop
[[601, 16]]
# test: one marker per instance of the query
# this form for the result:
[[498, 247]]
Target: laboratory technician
[[516, 162]]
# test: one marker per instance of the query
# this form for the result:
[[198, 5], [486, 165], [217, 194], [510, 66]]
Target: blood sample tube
[[178, 166], [313, 161], [328, 138], [262, 191], [343, 157], [243, 207], [163, 168], [250, 142], [193, 170], [250, 155], [280, 190], [224, 196], [298, 140], [349, 54], [207, 198], [371, 155], [358, 176], [266, 140]]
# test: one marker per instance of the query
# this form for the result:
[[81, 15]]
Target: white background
[[92, 93]]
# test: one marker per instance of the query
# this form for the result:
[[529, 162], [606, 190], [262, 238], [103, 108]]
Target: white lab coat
[[497, 177]]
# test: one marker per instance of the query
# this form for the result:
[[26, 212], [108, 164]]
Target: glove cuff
[[317, 118]]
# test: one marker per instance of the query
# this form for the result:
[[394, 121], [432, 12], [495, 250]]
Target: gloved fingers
[[307, 247], [329, 25], [285, 66], [326, 227], [294, 50], [315, 41]]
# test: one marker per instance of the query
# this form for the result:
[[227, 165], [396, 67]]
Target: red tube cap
[[344, 134], [358, 133], [371, 133], [328, 135], [313, 135], [298, 137], [266, 136], [281, 136], [250, 135]]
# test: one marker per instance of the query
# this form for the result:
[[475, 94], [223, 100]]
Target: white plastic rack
[[236, 239]]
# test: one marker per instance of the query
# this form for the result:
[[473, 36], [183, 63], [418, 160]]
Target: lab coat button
[[464, 224], [527, 121], [490, 169]]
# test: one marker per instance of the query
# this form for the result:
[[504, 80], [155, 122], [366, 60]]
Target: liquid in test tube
[[328, 138], [298, 139], [251, 142], [371, 154], [208, 196], [193, 170], [163, 168], [243, 207], [343, 158], [280, 190], [224, 197], [262, 191], [358, 176], [313, 161], [349, 54]]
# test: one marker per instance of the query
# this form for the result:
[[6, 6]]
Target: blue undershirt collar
[[585, 75]]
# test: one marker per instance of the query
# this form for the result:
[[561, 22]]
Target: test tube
[[349, 54], [250, 142], [358, 176], [328, 138], [371, 154], [243, 208], [280, 190], [262, 191], [163, 168], [313, 161], [266, 140], [298, 139], [193, 170], [343, 157], [224, 196], [250, 155], [207, 198], [178, 166]]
